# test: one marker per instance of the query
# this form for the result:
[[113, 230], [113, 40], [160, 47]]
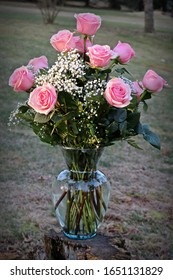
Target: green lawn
[[141, 206]]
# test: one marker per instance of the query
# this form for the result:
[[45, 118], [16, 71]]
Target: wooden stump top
[[59, 247]]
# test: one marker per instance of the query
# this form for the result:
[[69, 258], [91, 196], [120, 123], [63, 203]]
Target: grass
[[142, 195]]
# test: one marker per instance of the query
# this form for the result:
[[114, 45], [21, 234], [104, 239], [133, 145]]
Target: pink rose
[[87, 23], [99, 55], [22, 79], [43, 99], [64, 41], [153, 82], [118, 93], [124, 51], [137, 88], [38, 63], [80, 45]]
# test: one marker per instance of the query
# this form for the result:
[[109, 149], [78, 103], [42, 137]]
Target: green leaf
[[122, 70], [80, 106], [151, 137], [121, 115], [62, 129], [133, 144], [113, 127], [56, 118], [69, 115], [133, 103], [41, 118], [43, 131], [133, 119], [91, 128], [145, 106], [104, 122], [27, 116], [42, 71], [105, 71], [66, 101], [139, 129], [145, 95], [23, 109], [74, 128], [123, 128]]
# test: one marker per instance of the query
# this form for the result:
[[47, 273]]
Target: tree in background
[[49, 9], [164, 5], [149, 16], [138, 5], [115, 4], [87, 3]]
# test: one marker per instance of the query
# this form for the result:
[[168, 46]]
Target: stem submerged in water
[[85, 193], [82, 211]]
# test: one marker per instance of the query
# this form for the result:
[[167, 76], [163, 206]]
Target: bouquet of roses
[[84, 100]]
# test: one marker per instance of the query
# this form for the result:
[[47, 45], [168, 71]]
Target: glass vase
[[81, 193]]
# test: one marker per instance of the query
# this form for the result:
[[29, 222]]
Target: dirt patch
[[140, 207]]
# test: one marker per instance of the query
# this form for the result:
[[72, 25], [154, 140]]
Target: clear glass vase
[[81, 193]]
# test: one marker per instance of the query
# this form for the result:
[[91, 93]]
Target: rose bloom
[[80, 45], [64, 41], [118, 93], [43, 99], [22, 79], [137, 88], [153, 82], [38, 63], [99, 55], [124, 51], [87, 23]]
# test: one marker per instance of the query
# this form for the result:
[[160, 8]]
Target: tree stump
[[59, 247]]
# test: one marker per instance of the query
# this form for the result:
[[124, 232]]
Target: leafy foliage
[[83, 117]]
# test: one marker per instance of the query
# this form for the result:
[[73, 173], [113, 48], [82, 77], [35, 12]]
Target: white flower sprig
[[65, 73]]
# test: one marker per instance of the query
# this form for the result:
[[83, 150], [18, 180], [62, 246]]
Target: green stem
[[69, 203], [84, 55], [91, 218], [83, 197], [142, 96], [60, 199], [99, 198]]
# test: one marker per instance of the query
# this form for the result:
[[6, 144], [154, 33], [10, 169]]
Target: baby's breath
[[127, 81], [65, 73], [13, 120]]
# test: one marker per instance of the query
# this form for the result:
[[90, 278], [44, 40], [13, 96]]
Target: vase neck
[[82, 160]]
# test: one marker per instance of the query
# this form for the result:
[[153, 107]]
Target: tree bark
[[149, 16], [164, 6], [59, 247], [114, 4], [87, 3]]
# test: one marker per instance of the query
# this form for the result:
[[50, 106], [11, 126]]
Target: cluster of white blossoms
[[95, 87], [93, 90], [69, 74], [65, 73], [13, 119], [127, 81]]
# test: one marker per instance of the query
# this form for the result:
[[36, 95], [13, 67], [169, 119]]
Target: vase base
[[79, 237]]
